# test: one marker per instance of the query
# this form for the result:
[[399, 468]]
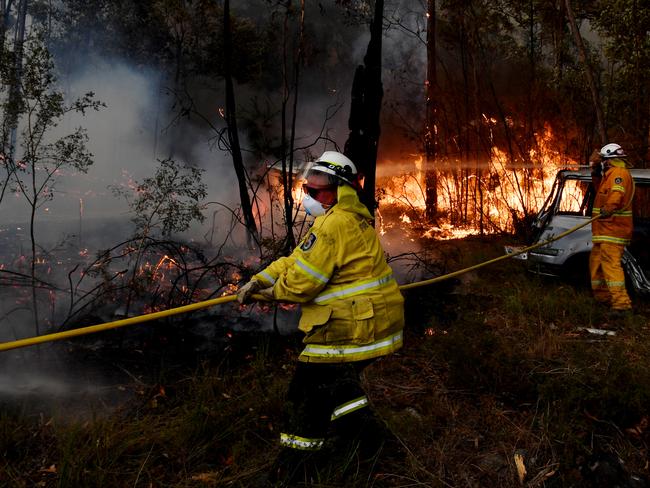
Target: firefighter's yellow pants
[[607, 276]]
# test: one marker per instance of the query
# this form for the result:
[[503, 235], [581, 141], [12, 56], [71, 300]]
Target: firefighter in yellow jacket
[[352, 309], [613, 230]]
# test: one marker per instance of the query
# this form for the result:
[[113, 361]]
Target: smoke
[[25, 384], [126, 138], [136, 128], [120, 139], [140, 125], [67, 385]]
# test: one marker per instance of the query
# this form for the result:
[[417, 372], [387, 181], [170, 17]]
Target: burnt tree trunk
[[582, 51], [294, 116], [4, 22], [365, 107], [14, 89], [430, 130], [463, 125], [233, 135], [290, 87], [5, 10], [286, 172]]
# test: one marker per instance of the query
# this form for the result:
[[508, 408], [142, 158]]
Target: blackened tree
[[365, 108]]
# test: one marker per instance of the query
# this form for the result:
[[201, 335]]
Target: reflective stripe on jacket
[[614, 195], [352, 308]]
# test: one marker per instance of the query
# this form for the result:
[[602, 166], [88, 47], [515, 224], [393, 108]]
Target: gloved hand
[[246, 292], [604, 213], [267, 293]]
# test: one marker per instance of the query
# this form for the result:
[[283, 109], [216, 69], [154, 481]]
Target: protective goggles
[[314, 190]]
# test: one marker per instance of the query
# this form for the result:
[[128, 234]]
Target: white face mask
[[313, 206]]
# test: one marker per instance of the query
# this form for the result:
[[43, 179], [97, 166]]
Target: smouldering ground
[[495, 368]]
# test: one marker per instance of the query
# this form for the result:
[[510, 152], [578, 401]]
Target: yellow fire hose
[[500, 258], [30, 341]]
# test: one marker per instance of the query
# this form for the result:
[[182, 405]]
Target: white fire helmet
[[612, 150], [336, 164]]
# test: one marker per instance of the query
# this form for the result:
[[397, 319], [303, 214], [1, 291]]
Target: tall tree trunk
[[5, 10], [14, 102], [32, 240], [582, 51], [14, 90], [367, 94], [480, 173], [233, 135], [463, 125], [289, 241], [296, 78], [290, 87], [641, 84], [430, 125], [3, 22], [532, 83]]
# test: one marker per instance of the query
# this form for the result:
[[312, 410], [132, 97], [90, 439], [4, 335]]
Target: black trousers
[[321, 397]]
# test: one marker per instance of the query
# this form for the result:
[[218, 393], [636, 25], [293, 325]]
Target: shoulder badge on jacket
[[618, 180], [308, 243]]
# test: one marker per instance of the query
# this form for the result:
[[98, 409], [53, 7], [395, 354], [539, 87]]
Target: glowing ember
[[430, 331], [165, 259], [229, 289]]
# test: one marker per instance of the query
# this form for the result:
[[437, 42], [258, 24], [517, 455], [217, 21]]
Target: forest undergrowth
[[498, 385]]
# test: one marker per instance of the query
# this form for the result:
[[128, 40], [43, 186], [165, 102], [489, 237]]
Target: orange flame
[[495, 195]]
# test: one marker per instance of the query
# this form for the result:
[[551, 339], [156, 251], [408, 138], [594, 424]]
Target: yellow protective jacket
[[614, 195], [352, 308]]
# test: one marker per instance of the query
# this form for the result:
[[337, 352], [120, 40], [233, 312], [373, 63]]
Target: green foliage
[[624, 25], [169, 201], [35, 106], [34, 155]]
